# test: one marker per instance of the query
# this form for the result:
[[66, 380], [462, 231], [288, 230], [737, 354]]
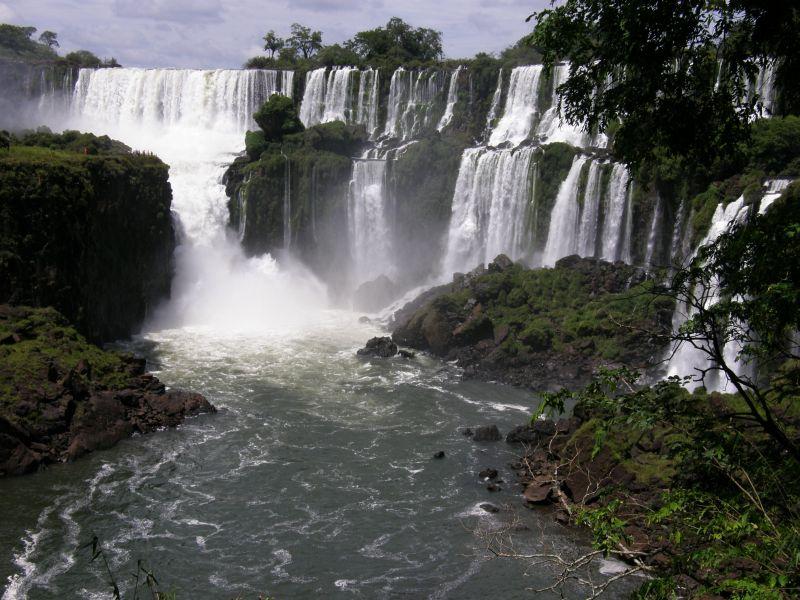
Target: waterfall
[[368, 221], [587, 233], [367, 110], [195, 121], [553, 128], [521, 107], [412, 98], [495, 106], [313, 105], [452, 98], [338, 95], [223, 99], [490, 204], [764, 87], [562, 234], [615, 234], [652, 238]]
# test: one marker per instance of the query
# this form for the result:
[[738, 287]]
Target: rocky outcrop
[[61, 397], [374, 295], [542, 328], [379, 347], [89, 232]]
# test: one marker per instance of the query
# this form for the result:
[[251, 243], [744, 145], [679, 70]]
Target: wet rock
[[523, 434], [407, 354], [488, 474], [375, 295], [439, 454], [488, 433], [364, 320], [562, 517], [493, 487], [490, 508], [467, 432], [381, 347], [538, 491], [500, 264]]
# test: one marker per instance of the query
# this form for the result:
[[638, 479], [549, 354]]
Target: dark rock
[[467, 432], [439, 454], [490, 508], [500, 334], [407, 354], [488, 474], [488, 433], [493, 487], [375, 295], [381, 347], [522, 434], [539, 491], [500, 264], [562, 517]]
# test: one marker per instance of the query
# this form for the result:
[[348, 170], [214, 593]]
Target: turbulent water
[[316, 477]]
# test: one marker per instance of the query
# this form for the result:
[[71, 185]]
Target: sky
[[224, 33]]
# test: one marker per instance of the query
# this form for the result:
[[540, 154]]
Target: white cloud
[[6, 14]]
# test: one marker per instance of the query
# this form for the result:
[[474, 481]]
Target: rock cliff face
[[90, 234], [61, 397], [543, 328]]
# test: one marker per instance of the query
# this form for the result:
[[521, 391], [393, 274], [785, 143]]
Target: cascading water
[[452, 98], [367, 110], [413, 96], [521, 107], [653, 236], [562, 235], [587, 233], [553, 128], [490, 203], [195, 121], [495, 106], [616, 233], [368, 221]]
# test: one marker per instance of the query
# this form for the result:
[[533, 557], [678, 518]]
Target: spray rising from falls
[[195, 121]]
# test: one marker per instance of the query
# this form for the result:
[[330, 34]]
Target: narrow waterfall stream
[[315, 479]]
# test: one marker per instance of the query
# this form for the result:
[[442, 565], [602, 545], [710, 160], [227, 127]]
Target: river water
[[316, 476]]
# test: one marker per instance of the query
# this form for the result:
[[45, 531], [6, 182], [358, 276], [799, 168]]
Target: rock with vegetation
[[379, 347], [541, 328], [62, 397], [86, 228]]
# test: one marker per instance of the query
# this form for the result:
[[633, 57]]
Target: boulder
[[488, 474], [375, 295], [380, 347], [488, 433], [490, 508], [500, 264], [538, 491], [439, 454]]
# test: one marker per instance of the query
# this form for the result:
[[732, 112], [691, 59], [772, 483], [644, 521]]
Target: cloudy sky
[[224, 33]]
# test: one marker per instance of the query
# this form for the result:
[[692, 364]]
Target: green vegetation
[[668, 91], [47, 344], [63, 204], [16, 44], [277, 118]]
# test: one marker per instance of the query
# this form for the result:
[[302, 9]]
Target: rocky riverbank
[[62, 397], [540, 328]]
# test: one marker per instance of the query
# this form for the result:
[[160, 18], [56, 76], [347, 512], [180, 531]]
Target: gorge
[[453, 205]]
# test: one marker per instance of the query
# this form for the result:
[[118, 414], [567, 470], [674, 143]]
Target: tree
[[743, 291], [304, 40], [48, 38], [674, 74], [277, 117], [84, 59], [272, 43], [397, 40]]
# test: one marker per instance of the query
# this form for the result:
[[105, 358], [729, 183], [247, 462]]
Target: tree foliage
[[654, 68], [49, 39], [273, 43], [278, 117], [397, 40], [17, 42], [304, 40]]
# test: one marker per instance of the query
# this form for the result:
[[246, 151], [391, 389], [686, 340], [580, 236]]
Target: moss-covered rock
[[90, 234], [61, 397], [542, 328]]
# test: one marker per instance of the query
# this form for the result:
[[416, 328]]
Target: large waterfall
[[195, 120]]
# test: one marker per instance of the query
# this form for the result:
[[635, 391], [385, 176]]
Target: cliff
[[90, 234]]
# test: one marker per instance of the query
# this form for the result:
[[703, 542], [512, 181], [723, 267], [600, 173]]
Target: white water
[[587, 233], [521, 107], [413, 96], [452, 98], [195, 121], [490, 204], [562, 235], [554, 128], [368, 221], [616, 236], [367, 111], [495, 106]]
